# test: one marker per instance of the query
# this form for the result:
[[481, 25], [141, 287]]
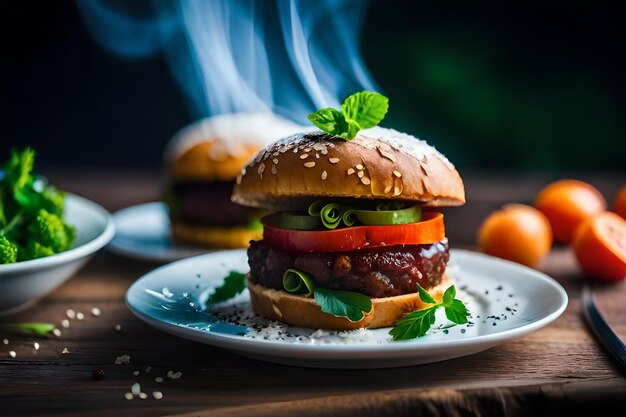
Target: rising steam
[[286, 56]]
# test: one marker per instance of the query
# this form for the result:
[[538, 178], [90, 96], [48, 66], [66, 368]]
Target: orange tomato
[[619, 202], [600, 246], [517, 232], [566, 203]]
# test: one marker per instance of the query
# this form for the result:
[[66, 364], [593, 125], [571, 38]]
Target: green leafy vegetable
[[298, 282], [417, 323], [359, 111], [33, 328], [233, 284], [31, 212], [351, 305]]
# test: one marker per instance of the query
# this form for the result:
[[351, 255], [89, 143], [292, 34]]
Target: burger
[[352, 235], [201, 163]]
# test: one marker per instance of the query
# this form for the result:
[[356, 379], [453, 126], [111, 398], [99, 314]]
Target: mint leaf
[[365, 109], [414, 324], [233, 284], [359, 111], [329, 120], [457, 312], [343, 303], [425, 296]]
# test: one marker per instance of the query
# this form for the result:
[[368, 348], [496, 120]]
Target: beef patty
[[377, 272], [208, 203]]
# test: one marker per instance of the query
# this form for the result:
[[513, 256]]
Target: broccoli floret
[[34, 250], [52, 231], [8, 251]]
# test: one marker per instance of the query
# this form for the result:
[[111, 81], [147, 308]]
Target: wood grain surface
[[559, 369]]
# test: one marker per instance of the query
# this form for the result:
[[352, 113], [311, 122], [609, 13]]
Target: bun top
[[216, 148], [378, 163]]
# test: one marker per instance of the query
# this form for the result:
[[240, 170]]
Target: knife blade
[[607, 337]]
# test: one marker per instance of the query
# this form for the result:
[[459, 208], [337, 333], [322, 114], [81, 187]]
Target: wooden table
[[560, 368]]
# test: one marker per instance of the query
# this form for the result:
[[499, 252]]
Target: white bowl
[[24, 283]]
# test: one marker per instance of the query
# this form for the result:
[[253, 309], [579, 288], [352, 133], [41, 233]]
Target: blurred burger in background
[[201, 164]]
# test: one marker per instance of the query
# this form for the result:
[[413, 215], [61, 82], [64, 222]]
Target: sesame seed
[[56, 332], [12, 353], [360, 174], [365, 181], [388, 187], [295, 150], [135, 373], [307, 149], [157, 395], [261, 169], [397, 190], [324, 151], [238, 179], [351, 171], [359, 166], [135, 388], [274, 170], [96, 311], [118, 328], [324, 175], [65, 323], [65, 350], [36, 346], [174, 375], [80, 316], [317, 156], [309, 164], [70, 313], [275, 160], [333, 160], [304, 156], [128, 395], [5, 341], [158, 379], [143, 395], [397, 174]]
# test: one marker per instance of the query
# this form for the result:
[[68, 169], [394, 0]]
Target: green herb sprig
[[31, 328], [417, 323], [234, 283], [359, 111]]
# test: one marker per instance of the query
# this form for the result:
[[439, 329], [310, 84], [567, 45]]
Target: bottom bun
[[214, 237], [298, 310]]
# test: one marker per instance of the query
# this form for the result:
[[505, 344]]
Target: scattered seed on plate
[[135, 373], [136, 388], [174, 375], [158, 379], [118, 328], [12, 353], [65, 323], [143, 395], [56, 332], [148, 369], [65, 350], [96, 311], [5, 341], [157, 395], [36, 346], [122, 359], [80, 316], [128, 395], [70, 313]]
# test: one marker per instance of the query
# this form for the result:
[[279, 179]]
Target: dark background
[[517, 85]]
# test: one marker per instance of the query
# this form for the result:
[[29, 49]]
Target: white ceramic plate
[[23, 283], [506, 301], [143, 232]]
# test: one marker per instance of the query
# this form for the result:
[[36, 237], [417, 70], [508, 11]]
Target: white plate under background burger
[[506, 301]]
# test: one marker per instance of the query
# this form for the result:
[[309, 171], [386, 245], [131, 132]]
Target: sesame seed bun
[[298, 310], [378, 163], [217, 147], [216, 237]]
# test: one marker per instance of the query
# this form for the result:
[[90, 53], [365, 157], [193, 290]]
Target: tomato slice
[[430, 230]]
